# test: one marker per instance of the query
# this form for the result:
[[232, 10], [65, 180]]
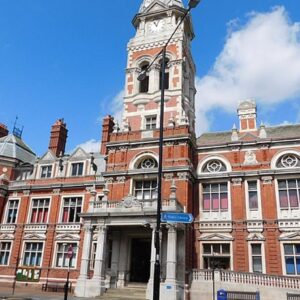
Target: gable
[[79, 153], [48, 156]]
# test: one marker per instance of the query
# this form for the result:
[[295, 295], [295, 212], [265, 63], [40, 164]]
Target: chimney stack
[[247, 115], [58, 137], [107, 129], [3, 130]]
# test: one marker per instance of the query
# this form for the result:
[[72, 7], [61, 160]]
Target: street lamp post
[[70, 255], [142, 76]]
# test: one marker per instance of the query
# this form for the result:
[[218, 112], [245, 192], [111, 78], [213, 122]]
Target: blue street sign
[[177, 217]]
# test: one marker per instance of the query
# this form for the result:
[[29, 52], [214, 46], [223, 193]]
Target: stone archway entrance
[[140, 259]]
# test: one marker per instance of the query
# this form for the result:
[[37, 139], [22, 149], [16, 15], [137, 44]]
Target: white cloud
[[117, 107], [90, 146], [259, 60]]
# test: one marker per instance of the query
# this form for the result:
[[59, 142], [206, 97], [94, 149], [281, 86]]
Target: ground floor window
[[33, 254], [4, 252], [93, 255], [216, 256], [62, 256], [292, 259]]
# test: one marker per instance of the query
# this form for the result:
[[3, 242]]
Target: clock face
[[156, 25]]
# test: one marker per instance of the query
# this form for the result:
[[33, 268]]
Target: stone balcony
[[37, 228], [7, 228], [131, 205]]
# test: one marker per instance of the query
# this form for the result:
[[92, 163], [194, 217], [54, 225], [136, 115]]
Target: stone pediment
[[6, 236], [216, 237], [68, 237], [155, 6], [79, 153], [34, 236], [255, 237], [291, 236], [48, 156]]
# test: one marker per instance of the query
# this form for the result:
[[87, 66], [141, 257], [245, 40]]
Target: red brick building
[[242, 186]]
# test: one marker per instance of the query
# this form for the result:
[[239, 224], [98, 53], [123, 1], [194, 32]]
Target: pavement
[[32, 293]]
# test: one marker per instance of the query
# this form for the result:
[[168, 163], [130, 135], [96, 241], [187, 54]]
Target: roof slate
[[274, 133]]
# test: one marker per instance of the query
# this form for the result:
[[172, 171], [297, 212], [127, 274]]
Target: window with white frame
[[150, 122], [12, 211], [292, 259], [214, 166], [288, 190], [46, 171], [288, 161], [215, 196], [77, 169], [33, 254], [62, 259], [71, 207], [4, 252], [252, 195], [145, 189], [216, 256], [39, 210], [147, 163], [256, 258]]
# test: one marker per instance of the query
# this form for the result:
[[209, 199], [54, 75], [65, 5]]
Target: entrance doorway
[[140, 259]]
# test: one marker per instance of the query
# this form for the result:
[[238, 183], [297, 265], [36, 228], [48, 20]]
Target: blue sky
[[67, 58]]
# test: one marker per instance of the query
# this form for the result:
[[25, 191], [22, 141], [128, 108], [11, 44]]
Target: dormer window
[[77, 169], [46, 171], [144, 84]]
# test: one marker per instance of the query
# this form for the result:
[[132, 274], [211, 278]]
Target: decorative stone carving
[[129, 202], [183, 175], [121, 179], [168, 176], [250, 158], [237, 181], [109, 180], [56, 191], [26, 192], [267, 179]]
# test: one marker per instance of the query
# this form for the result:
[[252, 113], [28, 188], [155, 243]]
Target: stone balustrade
[[256, 279]]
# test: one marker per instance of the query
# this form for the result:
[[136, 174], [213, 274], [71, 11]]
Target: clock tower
[[155, 23]]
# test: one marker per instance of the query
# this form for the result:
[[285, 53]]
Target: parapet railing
[[247, 278]]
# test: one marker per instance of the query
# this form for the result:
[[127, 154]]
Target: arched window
[[167, 77], [144, 84], [289, 160], [214, 166], [147, 163]]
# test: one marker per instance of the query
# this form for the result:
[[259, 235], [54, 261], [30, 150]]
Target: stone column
[[116, 236], [99, 268], [84, 267], [123, 260], [152, 263], [170, 289], [171, 253]]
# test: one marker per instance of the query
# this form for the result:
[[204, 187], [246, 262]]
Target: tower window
[[150, 122], [166, 79], [144, 84]]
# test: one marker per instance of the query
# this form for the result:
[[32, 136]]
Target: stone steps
[[131, 292]]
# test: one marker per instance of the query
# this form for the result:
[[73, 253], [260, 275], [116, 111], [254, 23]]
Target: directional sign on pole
[[177, 217]]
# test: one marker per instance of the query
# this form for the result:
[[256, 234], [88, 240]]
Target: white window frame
[[31, 207], [7, 208], [151, 124], [67, 242], [216, 242], [23, 253], [253, 213], [263, 256], [282, 243], [71, 163], [285, 213], [134, 180], [41, 171], [9, 251], [60, 220]]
